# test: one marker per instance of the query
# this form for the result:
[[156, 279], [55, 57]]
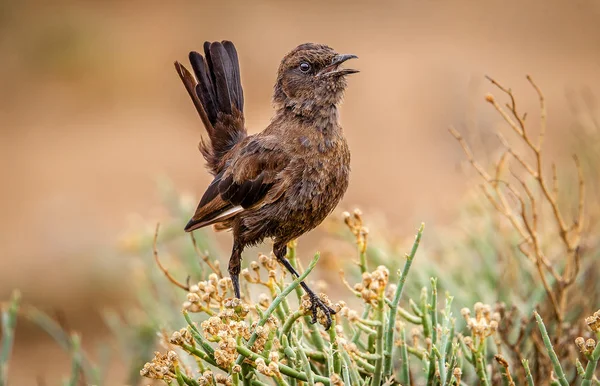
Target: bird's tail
[[216, 91]]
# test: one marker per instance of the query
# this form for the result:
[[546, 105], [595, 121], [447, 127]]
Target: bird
[[285, 180]]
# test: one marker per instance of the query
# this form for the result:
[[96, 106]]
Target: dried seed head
[[493, 326], [336, 380], [580, 343], [358, 215], [590, 345], [262, 367], [232, 303], [213, 279], [457, 374], [353, 316], [274, 368], [391, 290], [246, 274], [274, 356], [176, 338], [485, 323], [466, 313], [193, 297], [224, 379], [593, 321], [469, 342], [264, 300], [263, 259], [161, 367], [223, 283], [489, 98], [496, 316]]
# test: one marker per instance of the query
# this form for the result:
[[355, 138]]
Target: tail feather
[[218, 96], [204, 89], [221, 68], [237, 83]]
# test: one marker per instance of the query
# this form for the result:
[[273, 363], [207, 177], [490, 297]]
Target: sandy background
[[92, 113]]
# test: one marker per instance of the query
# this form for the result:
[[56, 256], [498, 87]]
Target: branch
[[185, 287], [205, 258]]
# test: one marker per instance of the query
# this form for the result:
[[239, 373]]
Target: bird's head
[[311, 77]]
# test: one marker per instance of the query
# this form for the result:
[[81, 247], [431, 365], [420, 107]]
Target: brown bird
[[283, 181]]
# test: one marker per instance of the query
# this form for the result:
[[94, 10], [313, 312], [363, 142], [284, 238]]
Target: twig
[[160, 266], [204, 257], [504, 370]]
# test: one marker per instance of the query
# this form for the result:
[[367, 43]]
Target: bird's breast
[[322, 173]]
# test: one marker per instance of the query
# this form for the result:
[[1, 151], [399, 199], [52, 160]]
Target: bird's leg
[[280, 251], [235, 262]]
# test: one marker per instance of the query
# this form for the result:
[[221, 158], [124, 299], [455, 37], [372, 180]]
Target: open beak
[[333, 68]]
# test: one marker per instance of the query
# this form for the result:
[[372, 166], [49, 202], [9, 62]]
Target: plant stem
[[480, 367], [76, 360], [9, 321], [276, 302], [178, 376], [433, 311], [198, 335], [335, 350], [562, 379], [200, 354], [404, 364], [245, 352], [365, 315], [528, 375], [445, 340], [590, 368], [354, 377], [390, 330], [304, 360], [190, 381], [316, 337], [379, 315], [290, 322], [409, 317]]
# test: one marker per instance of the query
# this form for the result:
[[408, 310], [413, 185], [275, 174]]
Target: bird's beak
[[333, 68]]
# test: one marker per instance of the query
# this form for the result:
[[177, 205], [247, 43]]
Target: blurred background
[[93, 115]]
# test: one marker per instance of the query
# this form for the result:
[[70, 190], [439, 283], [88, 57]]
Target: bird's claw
[[317, 304]]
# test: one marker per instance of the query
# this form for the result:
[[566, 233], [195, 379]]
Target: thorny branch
[[524, 218]]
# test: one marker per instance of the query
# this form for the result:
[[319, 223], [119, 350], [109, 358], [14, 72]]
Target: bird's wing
[[252, 177]]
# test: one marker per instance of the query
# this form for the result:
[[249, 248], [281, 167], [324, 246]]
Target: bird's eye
[[304, 67]]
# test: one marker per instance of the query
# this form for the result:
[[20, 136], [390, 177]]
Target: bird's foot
[[319, 308]]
